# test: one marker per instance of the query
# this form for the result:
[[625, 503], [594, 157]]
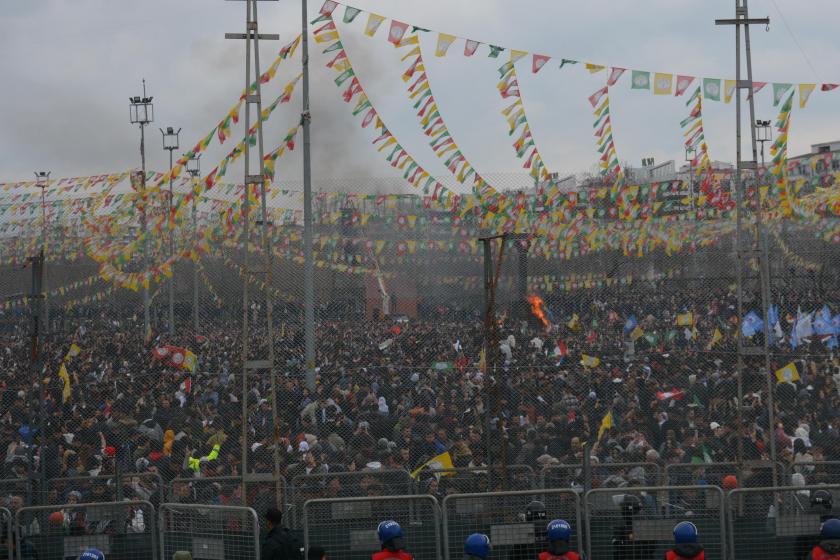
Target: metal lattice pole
[[309, 266], [758, 247], [253, 96]]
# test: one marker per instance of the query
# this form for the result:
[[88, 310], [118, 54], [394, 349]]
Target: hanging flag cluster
[[779, 152], [695, 143], [610, 167]]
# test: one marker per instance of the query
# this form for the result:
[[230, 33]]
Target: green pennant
[[350, 14], [495, 51]]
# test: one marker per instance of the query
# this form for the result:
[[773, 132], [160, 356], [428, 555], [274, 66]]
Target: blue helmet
[[830, 529], [92, 554], [685, 532], [388, 531], [477, 544], [559, 530]]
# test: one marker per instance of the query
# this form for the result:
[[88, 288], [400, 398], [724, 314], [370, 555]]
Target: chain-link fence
[[7, 545], [347, 527], [516, 522], [209, 532], [118, 529], [607, 475], [638, 522], [781, 522]]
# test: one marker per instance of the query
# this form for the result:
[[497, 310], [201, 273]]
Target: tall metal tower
[[257, 359], [750, 238]]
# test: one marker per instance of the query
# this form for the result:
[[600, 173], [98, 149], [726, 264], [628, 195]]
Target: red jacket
[[819, 553], [568, 556], [672, 555], [388, 555]]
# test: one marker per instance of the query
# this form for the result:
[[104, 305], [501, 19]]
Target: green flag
[[641, 80], [779, 91], [350, 14], [711, 89], [495, 51]]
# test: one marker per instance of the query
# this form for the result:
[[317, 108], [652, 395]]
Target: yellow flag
[[444, 42], [574, 323], [685, 319], [606, 424], [728, 90], [373, 23], [593, 68], [588, 361], [436, 463], [65, 377], [637, 333], [788, 373], [662, 83], [73, 352], [716, 337], [805, 91], [189, 361]]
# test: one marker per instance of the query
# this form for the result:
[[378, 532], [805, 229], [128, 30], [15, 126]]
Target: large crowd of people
[[393, 394]]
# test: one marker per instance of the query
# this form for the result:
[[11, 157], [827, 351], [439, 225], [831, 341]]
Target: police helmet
[[535, 511], [631, 504], [390, 533], [830, 529], [822, 498], [92, 554], [477, 545], [685, 532], [559, 530]]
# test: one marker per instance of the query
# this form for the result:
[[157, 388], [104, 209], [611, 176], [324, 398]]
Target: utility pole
[[747, 249], [36, 331], [265, 363], [42, 181], [170, 144], [142, 112], [309, 264], [194, 170]]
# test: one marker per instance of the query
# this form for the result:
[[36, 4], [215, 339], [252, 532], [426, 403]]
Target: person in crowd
[[829, 546], [477, 547], [685, 543], [559, 534], [391, 540], [279, 543]]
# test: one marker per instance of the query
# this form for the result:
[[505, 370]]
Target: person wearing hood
[[829, 546], [685, 543]]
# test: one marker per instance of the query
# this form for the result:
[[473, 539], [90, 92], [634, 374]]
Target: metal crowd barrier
[[124, 530], [346, 527], [209, 532], [816, 472], [776, 523], [146, 486], [602, 475], [365, 483], [501, 516], [755, 473], [440, 482], [617, 531], [7, 545]]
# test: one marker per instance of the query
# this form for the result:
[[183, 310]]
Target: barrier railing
[[602, 475], [502, 516], [146, 486], [346, 527], [440, 482], [617, 529], [816, 472], [209, 532], [366, 483], [123, 530], [6, 534], [214, 490], [754, 473], [776, 523]]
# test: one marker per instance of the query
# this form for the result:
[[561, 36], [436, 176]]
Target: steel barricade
[[346, 527], [365, 483], [619, 529], [440, 482], [755, 473], [779, 522], [209, 532], [610, 475], [214, 490], [502, 516], [145, 486], [124, 530], [6, 533]]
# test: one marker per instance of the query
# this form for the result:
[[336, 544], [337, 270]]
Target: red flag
[[829, 87], [470, 47], [682, 84], [538, 62], [615, 74], [673, 394], [397, 31], [596, 97]]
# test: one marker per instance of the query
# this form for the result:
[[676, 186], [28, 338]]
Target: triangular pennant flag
[[682, 84], [398, 29], [566, 61], [538, 62], [443, 43], [517, 55], [805, 91], [495, 51], [595, 98], [728, 90], [640, 80], [711, 89], [373, 23], [470, 47], [328, 8], [350, 14], [615, 74], [594, 68], [779, 91], [756, 87], [662, 83], [829, 87]]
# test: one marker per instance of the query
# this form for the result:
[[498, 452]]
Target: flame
[[537, 309]]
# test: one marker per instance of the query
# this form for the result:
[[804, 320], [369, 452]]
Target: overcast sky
[[68, 69]]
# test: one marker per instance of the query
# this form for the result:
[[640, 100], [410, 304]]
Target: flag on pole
[[789, 374], [716, 337], [588, 361], [673, 394], [606, 424], [65, 377], [685, 319], [436, 463]]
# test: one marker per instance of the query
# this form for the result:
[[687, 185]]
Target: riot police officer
[[391, 539], [685, 543], [559, 534], [829, 547]]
